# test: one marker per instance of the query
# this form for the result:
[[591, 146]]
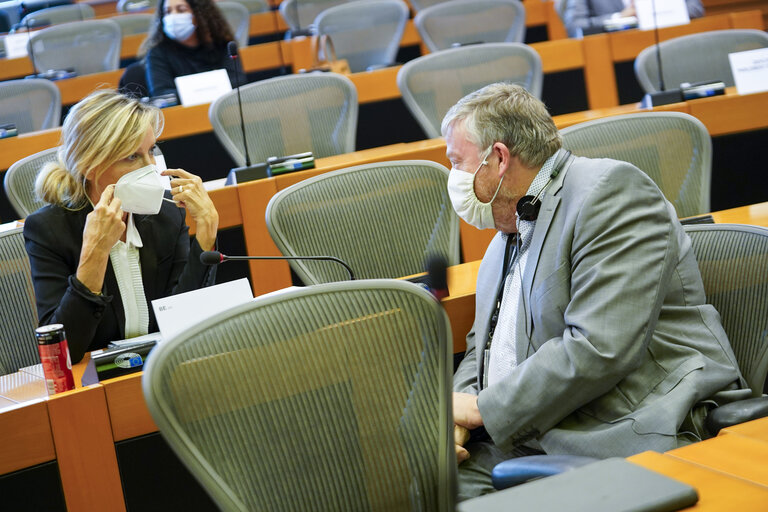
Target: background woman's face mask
[[178, 26], [461, 190]]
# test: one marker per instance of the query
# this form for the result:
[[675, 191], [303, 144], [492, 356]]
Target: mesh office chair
[[33, 104], [463, 22], [254, 6], [383, 219], [239, 20], [733, 260], [366, 33], [287, 115], [136, 5], [423, 4], [87, 46], [300, 14], [57, 15], [332, 397], [696, 57], [18, 313], [673, 148], [19, 182], [137, 23], [432, 84]]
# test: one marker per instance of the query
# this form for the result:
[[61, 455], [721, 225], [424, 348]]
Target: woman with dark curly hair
[[187, 37]]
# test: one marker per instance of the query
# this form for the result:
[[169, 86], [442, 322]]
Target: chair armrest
[[521, 469], [736, 412]]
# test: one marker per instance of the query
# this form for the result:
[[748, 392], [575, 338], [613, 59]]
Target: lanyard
[[497, 308]]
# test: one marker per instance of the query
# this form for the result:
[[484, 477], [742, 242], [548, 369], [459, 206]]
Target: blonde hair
[[507, 113], [101, 129]]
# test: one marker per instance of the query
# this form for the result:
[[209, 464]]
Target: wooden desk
[[756, 429], [717, 491], [734, 455]]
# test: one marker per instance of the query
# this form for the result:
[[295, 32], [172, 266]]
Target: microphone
[[215, 258], [248, 172], [663, 96], [437, 276]]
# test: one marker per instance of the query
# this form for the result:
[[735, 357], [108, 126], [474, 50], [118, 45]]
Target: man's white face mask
[[461, 190], [141, 191]]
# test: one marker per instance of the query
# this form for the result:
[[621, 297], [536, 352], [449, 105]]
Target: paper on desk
[[179, 312], [16, 45], [202, 87], [750, 70], [668, 13]]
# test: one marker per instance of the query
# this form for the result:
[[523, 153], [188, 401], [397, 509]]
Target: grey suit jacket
[[614, 341], [581, 14]]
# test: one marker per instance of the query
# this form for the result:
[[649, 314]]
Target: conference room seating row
[[595, 55]]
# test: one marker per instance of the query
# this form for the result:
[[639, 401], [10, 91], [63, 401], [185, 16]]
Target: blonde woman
[[109, 242]]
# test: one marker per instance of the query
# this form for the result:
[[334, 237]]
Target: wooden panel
[[756, 429], [732, 113], [717, 492], [461, 313], [27, 439], [130, 47], [560, 55], [263, 23], [376, 85], [184, 121], [599, 73], [127, 410], [734, 455], [85, 451], [756, 214], [266, 276], [74, 89]]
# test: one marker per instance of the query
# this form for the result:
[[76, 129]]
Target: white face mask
[[461, 190], [141, 191], [178, 26]]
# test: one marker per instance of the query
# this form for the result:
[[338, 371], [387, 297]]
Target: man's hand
[[460, 438], [465, 411]]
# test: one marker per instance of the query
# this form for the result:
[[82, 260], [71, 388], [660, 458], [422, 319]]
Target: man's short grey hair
[[507, 113]]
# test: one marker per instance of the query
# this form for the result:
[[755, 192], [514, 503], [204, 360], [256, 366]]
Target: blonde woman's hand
[[104, 226], [188, 192]]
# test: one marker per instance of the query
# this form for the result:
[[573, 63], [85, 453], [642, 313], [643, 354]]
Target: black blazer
[[170, 264]]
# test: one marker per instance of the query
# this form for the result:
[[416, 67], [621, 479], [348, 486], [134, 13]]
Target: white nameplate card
[[202, 87], [750, 70], [668, 13], [16, 45], [179, 312]]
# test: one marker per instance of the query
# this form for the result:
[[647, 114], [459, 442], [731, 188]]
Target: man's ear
[[501, 151]]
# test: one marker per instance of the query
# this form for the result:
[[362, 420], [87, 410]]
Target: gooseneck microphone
[[232, 50], [215, 258]]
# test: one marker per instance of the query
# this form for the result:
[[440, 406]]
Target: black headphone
[[528, 206]]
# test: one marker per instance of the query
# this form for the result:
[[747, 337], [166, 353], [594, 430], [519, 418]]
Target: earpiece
[[528, 206]]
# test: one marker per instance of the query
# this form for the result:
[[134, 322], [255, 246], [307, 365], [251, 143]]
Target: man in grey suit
[[591, 335], [583, 14]]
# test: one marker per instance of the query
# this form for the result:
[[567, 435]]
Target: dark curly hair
[[211, 26]]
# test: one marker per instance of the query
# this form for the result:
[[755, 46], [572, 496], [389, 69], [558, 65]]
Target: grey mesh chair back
[[366, 33], [325, 398], [136, 5], [137, 23], [87, 46], [462, 22], [733, 260], [18, 313], [33, 104], [19, 182], [301, 14], [423, 4], [57, 15], [673, 148], [238, 18], [254, 6], [382, 219], [432, 84], [287, 115], [696, 57]]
